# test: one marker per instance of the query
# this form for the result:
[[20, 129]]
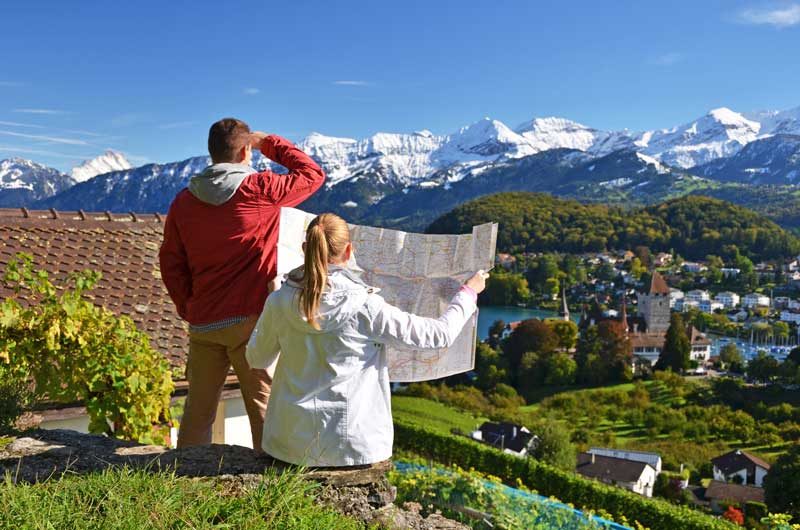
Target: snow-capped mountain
[[148, 188], [777, 122], [105, 163], [382, 173], [771, 160], [720, 133], [554, 133], [22, 182]]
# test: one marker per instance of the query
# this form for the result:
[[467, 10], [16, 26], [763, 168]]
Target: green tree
[[763, 367], [554, 446], [566, 331], [490, 367], [590, 369], [505, 288], [616, 352], [731, 357], [781, 485], [496, 332], [637, 269], [675, 353], [560, 369], [530, 336]]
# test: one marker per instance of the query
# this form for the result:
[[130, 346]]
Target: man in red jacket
[[218, 258]]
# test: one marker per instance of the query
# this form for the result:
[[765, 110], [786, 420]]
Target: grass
[[134, 499], [433, 415]]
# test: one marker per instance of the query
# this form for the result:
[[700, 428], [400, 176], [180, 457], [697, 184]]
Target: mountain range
[[407, 179]]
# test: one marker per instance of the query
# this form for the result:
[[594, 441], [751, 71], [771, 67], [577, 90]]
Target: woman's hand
[[478, 281]]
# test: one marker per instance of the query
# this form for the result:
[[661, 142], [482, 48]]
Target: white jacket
[[330, 403]]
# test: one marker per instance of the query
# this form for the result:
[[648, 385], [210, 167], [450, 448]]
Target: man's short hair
[[226, 138]]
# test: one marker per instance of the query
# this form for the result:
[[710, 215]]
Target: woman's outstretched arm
[[263, 347]]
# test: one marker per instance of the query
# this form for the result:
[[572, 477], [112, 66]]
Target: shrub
[[14, 396], [734, 515], [71, 350]]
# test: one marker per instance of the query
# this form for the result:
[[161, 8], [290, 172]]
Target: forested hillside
[[693, 226]]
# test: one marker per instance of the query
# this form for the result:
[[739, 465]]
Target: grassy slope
[[125, 499], [433, 415]]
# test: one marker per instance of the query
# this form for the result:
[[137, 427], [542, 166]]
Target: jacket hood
[[217, 183], [345, 295]]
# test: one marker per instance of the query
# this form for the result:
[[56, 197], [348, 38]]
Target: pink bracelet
[[469, 290]]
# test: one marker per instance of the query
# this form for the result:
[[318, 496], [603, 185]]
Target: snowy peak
[[22, 182], [105, 163], [554, 133], [720, 133], [488, 137], [778, 122]]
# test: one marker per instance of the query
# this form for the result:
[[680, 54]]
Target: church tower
[[654, 305], [564, 313]]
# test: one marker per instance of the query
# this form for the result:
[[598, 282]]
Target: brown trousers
[[211, 354]]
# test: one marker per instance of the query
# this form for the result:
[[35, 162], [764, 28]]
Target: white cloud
[[667, 59], [41, 111], [782, 17], [17, 124], [352, 82], [43, 152], [54, 139], [251, 91]]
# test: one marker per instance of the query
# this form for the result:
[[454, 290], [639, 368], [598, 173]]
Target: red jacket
[[217, 261]]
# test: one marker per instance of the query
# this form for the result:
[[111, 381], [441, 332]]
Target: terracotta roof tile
[[124, 250], [724, 491], [658, 285]]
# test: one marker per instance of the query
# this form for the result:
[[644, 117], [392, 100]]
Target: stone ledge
[[361, 492]]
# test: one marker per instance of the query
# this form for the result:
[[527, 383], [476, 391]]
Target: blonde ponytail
[[326, 239]]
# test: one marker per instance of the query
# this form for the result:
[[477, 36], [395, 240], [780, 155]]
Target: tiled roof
[[609, 469], [724, 491], [658, 285], [122, 247], [697, 338], [647, 340]]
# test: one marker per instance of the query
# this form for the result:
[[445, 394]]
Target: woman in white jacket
[[330, 403]]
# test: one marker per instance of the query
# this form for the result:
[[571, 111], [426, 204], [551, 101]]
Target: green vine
[[69, 349]]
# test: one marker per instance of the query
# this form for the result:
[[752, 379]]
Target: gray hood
[[345, 296], [217, 183]]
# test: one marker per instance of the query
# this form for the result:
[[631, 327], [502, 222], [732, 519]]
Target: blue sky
[[147, 78]]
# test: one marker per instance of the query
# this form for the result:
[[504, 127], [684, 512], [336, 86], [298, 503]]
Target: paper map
[[418, 273]]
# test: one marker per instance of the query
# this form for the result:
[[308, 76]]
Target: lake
[[489, 314]]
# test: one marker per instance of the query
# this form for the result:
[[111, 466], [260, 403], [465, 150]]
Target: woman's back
[[330, 401]]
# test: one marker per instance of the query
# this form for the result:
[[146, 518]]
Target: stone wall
[[361, 492]]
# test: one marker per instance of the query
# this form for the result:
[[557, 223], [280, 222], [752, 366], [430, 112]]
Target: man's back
[[217, 259]]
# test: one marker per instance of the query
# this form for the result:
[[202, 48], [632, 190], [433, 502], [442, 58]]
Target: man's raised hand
[[256, 138]]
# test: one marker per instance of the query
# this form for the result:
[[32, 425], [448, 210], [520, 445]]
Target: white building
[[691, 266], [676, 297], [638, 477], [697, 295], [654, 459], [749, 469], [728, 299], [753, 300], [709, 306], [688, 304], [730, 272], [788, 315]]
